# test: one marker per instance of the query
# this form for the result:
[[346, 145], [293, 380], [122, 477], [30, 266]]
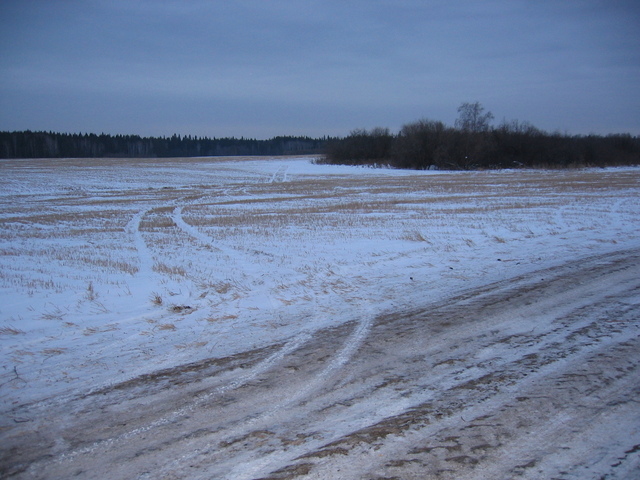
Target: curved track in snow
[[145, 257], [536, 376]]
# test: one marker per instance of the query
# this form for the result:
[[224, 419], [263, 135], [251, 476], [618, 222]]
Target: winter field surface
[[245, 318]]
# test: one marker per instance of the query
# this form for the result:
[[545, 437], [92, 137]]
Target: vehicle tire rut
[[517, 378]]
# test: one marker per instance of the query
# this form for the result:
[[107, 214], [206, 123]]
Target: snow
[[113, 268]]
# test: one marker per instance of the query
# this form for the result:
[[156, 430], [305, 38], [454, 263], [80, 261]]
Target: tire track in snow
[[144, 254], [351, 345], [420, 443], [432, 371], [192, 231], [239, 257], [247, 470], [545, 341], [259, 369], [145, 277], [146, 270], [280, 175], [242, 259], [565, 334], [176, 216], [618, 211]]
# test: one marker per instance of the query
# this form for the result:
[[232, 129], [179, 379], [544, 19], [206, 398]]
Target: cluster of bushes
[[473, 144], [27, 144]]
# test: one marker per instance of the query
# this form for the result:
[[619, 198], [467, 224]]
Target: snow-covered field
[[111, 269]]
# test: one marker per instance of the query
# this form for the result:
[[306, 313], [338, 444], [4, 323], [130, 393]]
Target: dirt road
[[533, 377]]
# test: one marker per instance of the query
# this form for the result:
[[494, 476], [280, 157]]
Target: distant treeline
[[27, 144], [473, 144], [470, 144]]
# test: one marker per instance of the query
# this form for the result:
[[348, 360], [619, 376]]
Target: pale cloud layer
[[258, 68]]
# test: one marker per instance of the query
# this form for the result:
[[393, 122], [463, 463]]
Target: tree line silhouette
[[473, 144], [27, 144]]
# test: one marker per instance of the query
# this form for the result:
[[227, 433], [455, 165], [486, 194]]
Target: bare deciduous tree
[[471, 118]]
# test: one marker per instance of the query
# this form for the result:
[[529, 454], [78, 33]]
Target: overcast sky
[[260, 68]]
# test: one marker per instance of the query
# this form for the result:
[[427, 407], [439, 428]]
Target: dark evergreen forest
[[27, 144]]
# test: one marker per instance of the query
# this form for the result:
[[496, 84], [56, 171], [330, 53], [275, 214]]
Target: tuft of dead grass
[[156, 299], [222, 318], [10, 331], [53, 351], [414, 236], [175, 271]]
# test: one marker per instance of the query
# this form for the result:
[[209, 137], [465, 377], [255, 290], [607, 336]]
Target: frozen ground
[[271, 318]]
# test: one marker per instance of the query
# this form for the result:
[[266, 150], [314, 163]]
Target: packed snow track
[[535, 376]]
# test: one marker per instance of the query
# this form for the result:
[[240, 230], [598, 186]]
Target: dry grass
[[166, 326], [156, 223], [414, 236], [223, 287], [10, 331], [173, 271], [54, 351], [156, 299], [111, 327], [55, 315], [222, 318]]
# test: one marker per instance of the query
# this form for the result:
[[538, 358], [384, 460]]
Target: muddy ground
[[532, 377]]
